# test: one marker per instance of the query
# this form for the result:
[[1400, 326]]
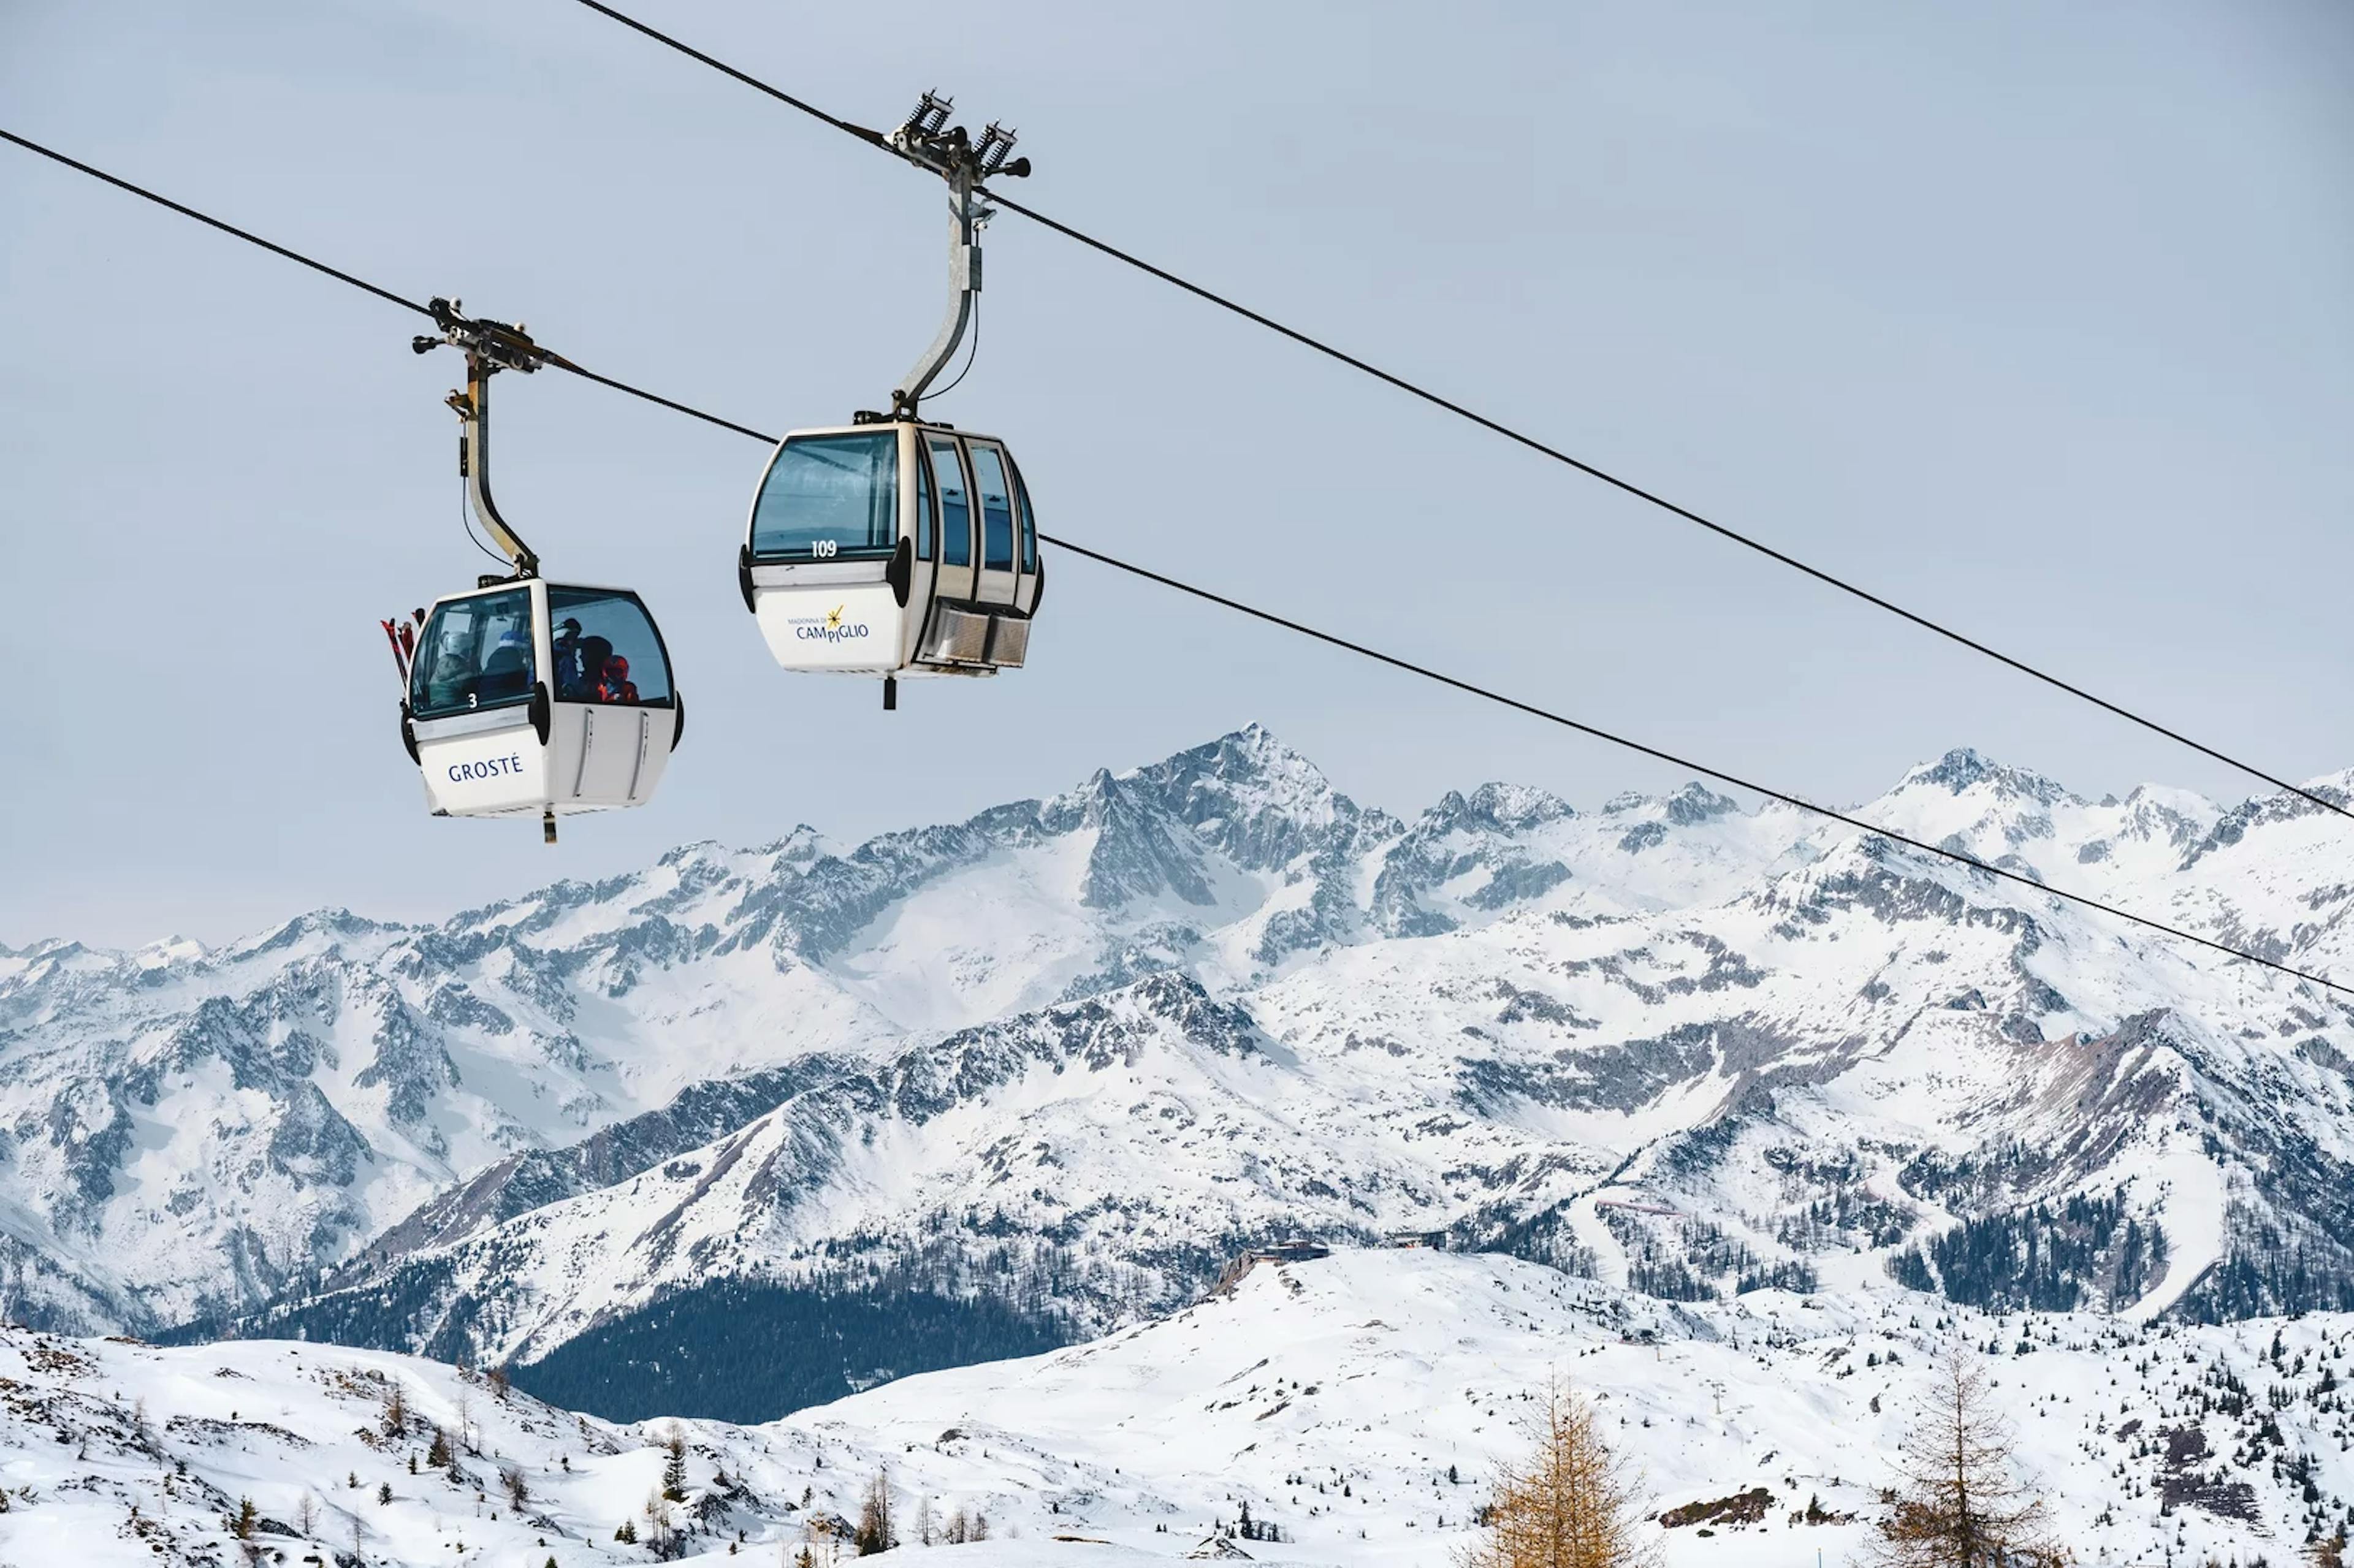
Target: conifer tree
[[874, 1534], [662, 1535], [674, 1485], [1571, 1504], [1957, 1503]]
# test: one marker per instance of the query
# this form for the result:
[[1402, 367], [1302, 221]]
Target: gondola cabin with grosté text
[[532, 698], [522, 697]]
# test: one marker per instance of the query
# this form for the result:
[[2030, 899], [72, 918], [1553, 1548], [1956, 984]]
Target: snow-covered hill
[[1356, 1403], [1062, 1060]]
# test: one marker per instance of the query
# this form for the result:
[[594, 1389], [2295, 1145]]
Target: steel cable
[[1285, 622], [1497, 426]]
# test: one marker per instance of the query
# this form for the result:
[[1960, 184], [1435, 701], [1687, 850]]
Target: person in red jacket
[[617, 686]]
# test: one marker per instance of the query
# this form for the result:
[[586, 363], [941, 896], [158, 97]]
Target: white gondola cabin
[[894, 547], [535, 699], [524, 698]]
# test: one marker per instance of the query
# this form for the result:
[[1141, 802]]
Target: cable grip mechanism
[[490, 346], [927, 139]]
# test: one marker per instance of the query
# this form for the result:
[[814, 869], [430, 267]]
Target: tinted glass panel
[[923, 512], [956, 513], [1029, 523], [830, 496], [605, 647], [473, 653], [996, 510]]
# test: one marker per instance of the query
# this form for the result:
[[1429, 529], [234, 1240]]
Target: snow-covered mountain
[[1032, 1075], [1355, 1406]]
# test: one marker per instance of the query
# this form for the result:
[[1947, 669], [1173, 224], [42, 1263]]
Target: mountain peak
[[1695, 802], [1965, 768], [1255, 751], [1517, 805], [1250, 794]]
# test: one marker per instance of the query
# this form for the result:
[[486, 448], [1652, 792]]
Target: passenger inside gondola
[[598, 630], [506, 674], [473, 653], [589, 686], [571, 676]]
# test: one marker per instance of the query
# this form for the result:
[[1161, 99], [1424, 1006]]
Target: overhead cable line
[[251, 237], [1287, 623], [1496, 427]]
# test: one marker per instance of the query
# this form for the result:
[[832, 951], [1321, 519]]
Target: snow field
[[1331, 1396]]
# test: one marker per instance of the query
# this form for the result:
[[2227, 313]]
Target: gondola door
[[919, 537], [616, 714], [994, 512], [1030, 582], [957, 637]]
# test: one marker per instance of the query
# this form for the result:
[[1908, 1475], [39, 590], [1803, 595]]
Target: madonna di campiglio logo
[[830, 630]]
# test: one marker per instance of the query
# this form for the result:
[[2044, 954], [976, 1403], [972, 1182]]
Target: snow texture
[[1357, 1403], [1094, 1046]]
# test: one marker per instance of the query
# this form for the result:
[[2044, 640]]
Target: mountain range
[[982, 1088]]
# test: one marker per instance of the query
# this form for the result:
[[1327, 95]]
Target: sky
[[2032, 318]]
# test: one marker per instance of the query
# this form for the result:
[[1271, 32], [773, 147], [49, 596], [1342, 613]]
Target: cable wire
[[1497, 426], [1735, 781], [249, 238], [1303, 629]]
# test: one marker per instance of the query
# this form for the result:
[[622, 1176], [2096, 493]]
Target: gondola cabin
[[532, 698], [894, 547]]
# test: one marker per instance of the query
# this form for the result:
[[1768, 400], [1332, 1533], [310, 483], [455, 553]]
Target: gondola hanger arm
[[490, 346], [927, 139]]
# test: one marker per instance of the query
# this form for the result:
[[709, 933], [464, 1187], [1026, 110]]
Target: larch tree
[[1571, 1504], [1957, 1503], [875, 1534]]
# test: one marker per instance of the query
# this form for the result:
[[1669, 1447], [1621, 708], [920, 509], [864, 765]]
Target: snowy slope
[[188, 1130], [1332, 1397], [1072, 1052], [1698, 1058]]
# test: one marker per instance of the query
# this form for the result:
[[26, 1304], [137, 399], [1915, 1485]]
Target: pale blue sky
[[2036, 318]]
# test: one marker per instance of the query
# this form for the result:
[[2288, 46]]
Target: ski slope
[[1331, 1396]]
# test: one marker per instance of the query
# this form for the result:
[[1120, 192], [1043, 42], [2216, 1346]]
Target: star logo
[[833, 620]]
